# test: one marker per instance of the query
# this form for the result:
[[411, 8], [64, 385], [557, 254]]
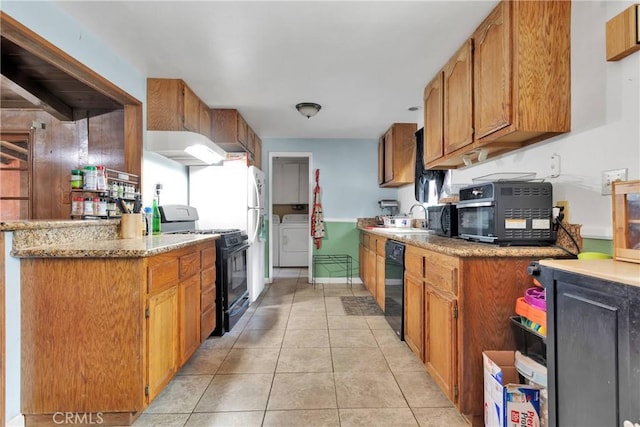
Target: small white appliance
[[232, 196], [294, 240]]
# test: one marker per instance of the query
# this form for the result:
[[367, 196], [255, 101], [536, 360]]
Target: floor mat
[[361, 306]]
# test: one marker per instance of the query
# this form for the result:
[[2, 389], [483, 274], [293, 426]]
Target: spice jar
[[90, 178], [101, 179], [88, 206], [77, 205], [76, 179]]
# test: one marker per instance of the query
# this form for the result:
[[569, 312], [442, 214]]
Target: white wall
[[605, 116]]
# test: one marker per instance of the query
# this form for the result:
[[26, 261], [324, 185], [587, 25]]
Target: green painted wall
[[341, 238], [598, 245]]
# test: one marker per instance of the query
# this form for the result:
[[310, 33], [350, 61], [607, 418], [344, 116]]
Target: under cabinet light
[[204, 153]]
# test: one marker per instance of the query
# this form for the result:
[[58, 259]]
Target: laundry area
[[290, 226]]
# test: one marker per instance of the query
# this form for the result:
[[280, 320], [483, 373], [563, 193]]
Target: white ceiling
[[365, 62]]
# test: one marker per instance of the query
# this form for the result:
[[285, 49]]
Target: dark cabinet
[[593, 350]]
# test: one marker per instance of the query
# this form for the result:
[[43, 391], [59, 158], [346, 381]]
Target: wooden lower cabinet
[[440, 332], [372, 259], [414, 314], [461, 307], [162, 337], [106, 335], [189, 313]]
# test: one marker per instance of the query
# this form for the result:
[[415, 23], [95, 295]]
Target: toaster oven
[[507, 213]]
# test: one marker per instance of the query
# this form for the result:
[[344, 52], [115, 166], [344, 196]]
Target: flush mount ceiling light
[[308, 109]]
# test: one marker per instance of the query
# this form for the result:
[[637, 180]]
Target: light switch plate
[[609, 177]]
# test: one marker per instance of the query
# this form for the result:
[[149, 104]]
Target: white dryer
[[294, 240], [275, 239]]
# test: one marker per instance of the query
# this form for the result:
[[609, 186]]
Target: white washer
[[275, 239], [294, 240]]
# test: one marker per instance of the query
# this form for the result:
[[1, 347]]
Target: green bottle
[[155, 223]]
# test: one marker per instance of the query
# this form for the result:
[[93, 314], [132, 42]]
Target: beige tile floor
[[296, 359]]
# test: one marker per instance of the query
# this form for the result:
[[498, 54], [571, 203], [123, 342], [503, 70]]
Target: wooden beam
[[34, 93], [40, 47], [14, 147], [13, 156]]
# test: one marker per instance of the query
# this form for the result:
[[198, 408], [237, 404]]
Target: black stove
[[232, 295]]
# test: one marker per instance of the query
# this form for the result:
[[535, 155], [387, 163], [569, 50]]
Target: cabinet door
[[492, 73], [191, 113], [388, 155], [162, 340], [371, 272], [592, 353], [381, 161], [257, 155], [205, 120], [380, 277], [433, 109], [414, 314], [303, 183], [243, 131], [290, 183], [458, 100], [189, 307], [440, 336]]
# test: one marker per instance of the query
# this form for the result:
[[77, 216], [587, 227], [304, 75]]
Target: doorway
[[15, 175], [290, 243]]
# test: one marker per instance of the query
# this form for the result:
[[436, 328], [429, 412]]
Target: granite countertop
[[466, 249], [54, 224], [114, 248], [606, 269]]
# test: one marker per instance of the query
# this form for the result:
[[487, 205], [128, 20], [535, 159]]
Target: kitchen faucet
[[423, 208]]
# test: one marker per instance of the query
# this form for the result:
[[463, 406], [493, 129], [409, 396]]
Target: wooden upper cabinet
[[492, 79], [389, 155], [191, 116], [398, 150], [205, 120], [623, 33], [512, 89], [526, 54], [172, 105], [458, 100], [433, 120], [381, 160], [230, 130]]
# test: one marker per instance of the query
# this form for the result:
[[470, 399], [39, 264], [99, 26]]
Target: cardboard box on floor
[[507, 403]]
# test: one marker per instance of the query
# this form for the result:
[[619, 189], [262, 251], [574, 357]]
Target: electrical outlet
[[610, 176], [564, 204]]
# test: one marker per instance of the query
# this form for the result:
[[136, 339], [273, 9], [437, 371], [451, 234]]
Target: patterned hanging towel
[[317, 220]]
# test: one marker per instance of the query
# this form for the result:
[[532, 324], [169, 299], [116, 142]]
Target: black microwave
[[443, 220], [507, 213]]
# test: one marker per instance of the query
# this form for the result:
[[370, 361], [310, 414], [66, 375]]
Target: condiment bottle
[[76, 179], [155, 225]]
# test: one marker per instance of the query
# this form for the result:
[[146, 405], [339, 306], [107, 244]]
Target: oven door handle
[[236, 250], [474, 204]]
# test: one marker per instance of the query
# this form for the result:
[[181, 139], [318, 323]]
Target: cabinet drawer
[[207, 323], [208, 278], [441, 271], [414, 261], [189, 264], [207, 299], [208, 257], [162, 273]]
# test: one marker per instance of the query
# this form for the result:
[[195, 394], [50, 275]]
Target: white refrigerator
[[232, 196]]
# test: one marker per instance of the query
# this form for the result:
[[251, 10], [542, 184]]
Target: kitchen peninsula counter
[[89, 239], [107, 322], [115, 248]]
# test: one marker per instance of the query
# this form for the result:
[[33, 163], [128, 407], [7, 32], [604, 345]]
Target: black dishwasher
[[394, 286]]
